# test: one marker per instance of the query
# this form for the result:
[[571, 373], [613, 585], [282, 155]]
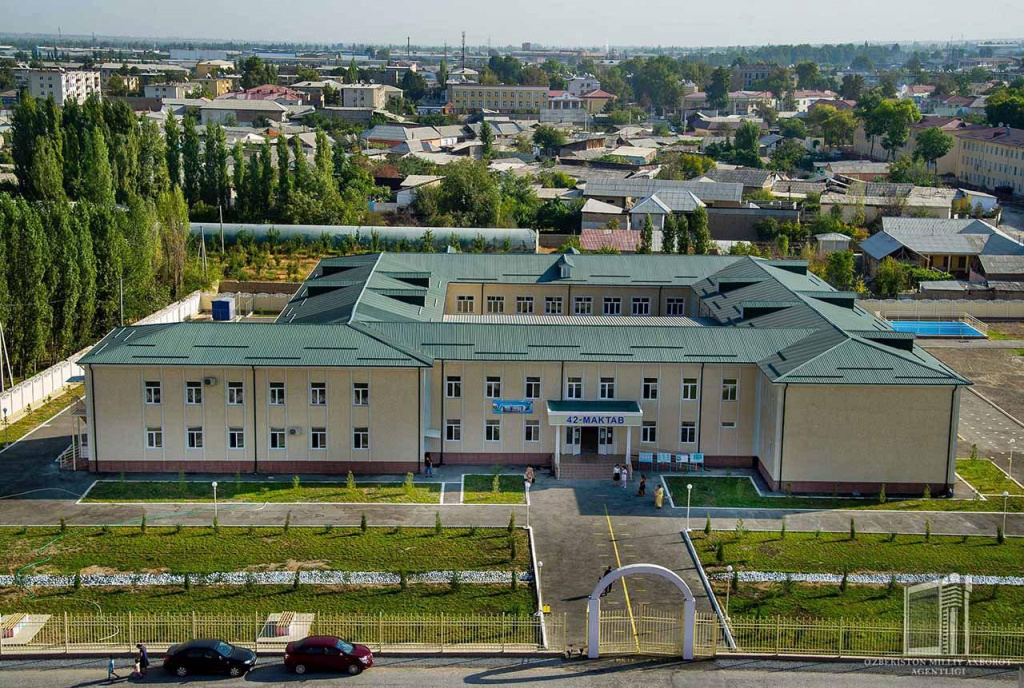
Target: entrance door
[[606, 441], [589, 442], [572, 441]]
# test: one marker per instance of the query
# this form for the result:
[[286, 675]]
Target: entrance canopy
[[605, 412]]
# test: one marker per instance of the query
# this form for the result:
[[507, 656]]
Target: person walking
[[659, 496], [608, 589], [428, 466], [528, 479], [642, 490], [111, 669], [137, 667], [616, 474], [143, 657], [624, 479]]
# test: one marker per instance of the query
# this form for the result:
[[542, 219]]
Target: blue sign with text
[[512, 406]]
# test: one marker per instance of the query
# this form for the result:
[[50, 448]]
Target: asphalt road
[[455, 671]]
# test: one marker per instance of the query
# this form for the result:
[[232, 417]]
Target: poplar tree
[[216, 186], [265, 189], [646, 236], [153, 175], [190, 159], [86, 277], [97, 178], [238, 180], [64, 264], [31, 311], [300, 166], [701, 234], [172, 141], [284, 177], [683, 239], [46, 177], [668, 234]]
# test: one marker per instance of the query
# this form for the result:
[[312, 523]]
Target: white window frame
[[465, 303], [276, 394], [690, 389], [533, 381], [194, 393], [688, 429], [637, 302], [531, 431], [453, 383], [154, 393], [650, 389], [155, 438], [318, 439], [278, 434], [360, 393], [675, 305], [492, 387], [236, 438], [730, 389], [453, 430], [495, 304], [361, 439], [649, 432], [194, 438], [524, 305], [554, 305], [236, 393], [492, 430], [611, 305], [583, 305], [318, 394], [606, 388], [574, 387], [728, 425]]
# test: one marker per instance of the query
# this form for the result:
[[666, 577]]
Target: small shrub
[[403, 580], [974, 452], [496, 484], [350, 481], [287, 521], [328, 528], [817, 533], [789, 489], [455, 582], [892, 536], [512, 522], [1000, 535], [362, 523], [142, 525], [238, 482], [188, 582], [78, 581], [120, 479], [890, 589], [295, 482], [782, 530], [514, 581], [927, 530], [396, 530], [788, 584], [297, 580], [181, 482], [963, 539], [740, 528], [408, 485], [438, 526], [511, 548], [63, 525], [843, 582], [707, 526], [881, 495], [216, 525], [178, 528], [927, 491], [720, 552], [853, 529], [472, 531], [835, 491], [250, 582], [251, 530], [735, 582]]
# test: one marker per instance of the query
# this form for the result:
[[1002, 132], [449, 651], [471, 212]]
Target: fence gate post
[[131, 632], [194, 632], [67, 633], [841, 636], [442, 631], [503, 630], [778, 633]]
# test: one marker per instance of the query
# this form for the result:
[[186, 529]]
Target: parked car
[[327, 653], [208, 656]]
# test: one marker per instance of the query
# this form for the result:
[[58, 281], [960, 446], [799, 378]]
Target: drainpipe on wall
[[255, 433]]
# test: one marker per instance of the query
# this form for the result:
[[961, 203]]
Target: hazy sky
[[552, 22]]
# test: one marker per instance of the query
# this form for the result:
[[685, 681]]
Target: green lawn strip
[[999, 336], [870, 603], [365, 492], [200, 550], [834, 552], [986, 477], [21, 427], [479, 489], [266, 599], [739, 492]]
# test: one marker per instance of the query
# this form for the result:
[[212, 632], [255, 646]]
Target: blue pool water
[[931, 328]]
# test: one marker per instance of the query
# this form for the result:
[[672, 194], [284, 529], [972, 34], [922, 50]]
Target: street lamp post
[[215, 500], [1006, 497], [728, 589], [1009, 468], [540, 604], [689, 489]]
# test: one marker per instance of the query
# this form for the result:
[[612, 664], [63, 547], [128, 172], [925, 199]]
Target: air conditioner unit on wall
[[294, 431], [209, 381]]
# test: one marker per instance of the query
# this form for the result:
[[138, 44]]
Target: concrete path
[[972, 343]]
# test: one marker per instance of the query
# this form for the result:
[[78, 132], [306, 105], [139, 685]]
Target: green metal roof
[[601, 406]]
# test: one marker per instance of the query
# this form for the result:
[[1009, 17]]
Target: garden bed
[[479, 489], [363, 492], [987, 478]]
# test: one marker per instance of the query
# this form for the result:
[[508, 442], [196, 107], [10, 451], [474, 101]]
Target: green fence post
[[67, 634], [778, 634], [841, 636]]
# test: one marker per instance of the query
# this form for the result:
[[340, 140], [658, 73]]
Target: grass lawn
[[200, 550], [479, 489], [367, 492], [832, 552], [989, 604], [986, 477], [739, 492], [26, 423], [265, 599]]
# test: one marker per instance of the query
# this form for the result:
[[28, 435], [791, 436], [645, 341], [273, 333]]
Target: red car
[[327, 653]]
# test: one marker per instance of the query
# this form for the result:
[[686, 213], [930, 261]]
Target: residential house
[[207, 68], [679, 196], [364, 96], [619, 240], [861, 170], [586, 83], [947, 164], [271, 92], [411, 185], [740, 102], [175, 91], [598, 214], [392, 135], [314, 90], [224, 110], [878, 199], [596, 101], [806, 98], [634, 155], [751, 179]]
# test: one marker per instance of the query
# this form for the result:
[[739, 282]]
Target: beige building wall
[[989, 164], [479, 292]]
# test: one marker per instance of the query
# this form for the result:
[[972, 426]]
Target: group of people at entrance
[[620, 477]]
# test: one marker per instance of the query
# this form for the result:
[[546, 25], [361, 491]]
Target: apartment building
[[364, 96], [991, 158], [381, 360], [501, 98], [175, 91], [64, 85]]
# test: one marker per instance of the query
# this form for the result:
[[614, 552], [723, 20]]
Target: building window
[[607, 437], [318, 394], [649, 432], [492, 388], [277, 394], [464, 304], [552, 305], [612, 305], [492, 431], [277, 438], [236, 394], [361, 394], [730, 387], [194, 393], [650, 388], [236, 438], [689, 389], [583, 305], [607, 388], [574, 388], [154, 438], [531, 431], [688, 433], [524, 305], [318, 438], [533, 388], [495, 304], [360, 438], [675, 306], [728, 424], [641, 305], [194, 438], [152, 392], [453, 430], [454, 385]]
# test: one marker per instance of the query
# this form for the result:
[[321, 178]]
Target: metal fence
[[26, 634]]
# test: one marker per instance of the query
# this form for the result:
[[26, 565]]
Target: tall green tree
[[153, 176], [839, 270], [745, 145], [46, 177], [486, 139], [86, 277], [172, 140], [646, 244], [172, 221], [64, 264], [668, 234], [284, 175], [701, 233], [191, 159], [97, 178], [683, 235], [238, 180], [931, 144], [216, 185], [31, 310], [717, 89]]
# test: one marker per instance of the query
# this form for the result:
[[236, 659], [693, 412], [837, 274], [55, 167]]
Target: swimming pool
[[936, 328]]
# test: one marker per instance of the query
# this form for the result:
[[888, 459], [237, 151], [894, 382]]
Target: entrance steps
[[588, 466]]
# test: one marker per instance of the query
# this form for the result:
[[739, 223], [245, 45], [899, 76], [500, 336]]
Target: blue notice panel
[[512, 406]]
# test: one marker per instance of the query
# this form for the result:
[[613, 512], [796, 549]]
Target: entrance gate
[[647, 630]]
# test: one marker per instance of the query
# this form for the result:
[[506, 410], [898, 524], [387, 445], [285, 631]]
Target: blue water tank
[[224, 309]]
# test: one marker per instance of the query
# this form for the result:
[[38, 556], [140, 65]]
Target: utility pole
[[408, 48], [463, 50]]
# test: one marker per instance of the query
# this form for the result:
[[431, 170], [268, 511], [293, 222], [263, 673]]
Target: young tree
[[839, 270], [31, 311], [86, 278], [646, 236], [932, 144], [47, 175], [894, 118], [486, 138], [153, 175], [745, 145], [191, 161], [63, 263], [717, 89], [890, 278], [172, 220], [701, 233], [683, 235], [549, 139], [216, 187], [668, 234]]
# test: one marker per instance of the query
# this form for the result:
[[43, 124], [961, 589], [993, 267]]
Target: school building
[[380, 360]]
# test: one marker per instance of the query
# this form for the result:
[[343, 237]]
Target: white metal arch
[[594, 605]]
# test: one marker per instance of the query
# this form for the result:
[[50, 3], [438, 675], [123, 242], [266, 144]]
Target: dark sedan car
[[327, 653], [208, 656]]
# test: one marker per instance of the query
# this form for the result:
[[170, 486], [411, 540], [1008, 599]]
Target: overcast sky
[[551, 22]]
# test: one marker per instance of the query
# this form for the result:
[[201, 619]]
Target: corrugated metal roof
[[641, 188]]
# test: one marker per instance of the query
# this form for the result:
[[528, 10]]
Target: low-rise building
[[364, 96], [991, 158], [162, 91], [872, 200], [224, 110], [499, 98]]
